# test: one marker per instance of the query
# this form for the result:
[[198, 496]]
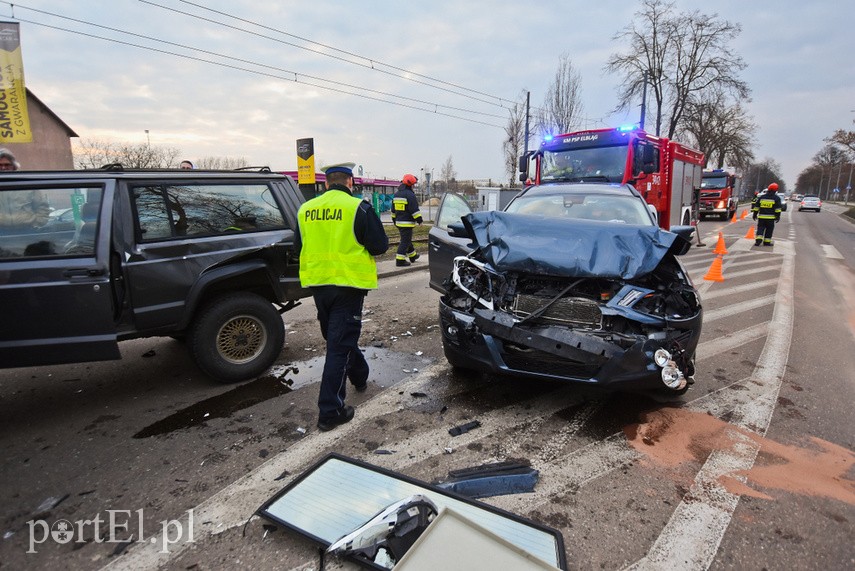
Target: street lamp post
[[147, 138]]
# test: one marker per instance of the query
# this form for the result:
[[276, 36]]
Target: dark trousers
[[765, 227], [340, 316], [406, 250]]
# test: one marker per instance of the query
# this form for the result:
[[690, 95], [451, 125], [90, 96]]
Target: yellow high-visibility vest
[[330, 254]]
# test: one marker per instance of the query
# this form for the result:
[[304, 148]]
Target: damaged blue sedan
[[571, 283]]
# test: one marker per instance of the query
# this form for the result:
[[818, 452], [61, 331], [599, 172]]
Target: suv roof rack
[[258, 169]]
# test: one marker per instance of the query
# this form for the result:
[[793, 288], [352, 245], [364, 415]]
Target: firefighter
[[339, 235], [405, 216], [766, 209]]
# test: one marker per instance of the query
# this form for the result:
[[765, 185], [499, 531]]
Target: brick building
[[51, 146]]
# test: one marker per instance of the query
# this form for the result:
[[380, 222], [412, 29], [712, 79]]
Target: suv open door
[[61, 276]]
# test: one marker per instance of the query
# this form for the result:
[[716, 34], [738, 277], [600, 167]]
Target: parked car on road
[[207, 256], [572, 283], [810, 202]]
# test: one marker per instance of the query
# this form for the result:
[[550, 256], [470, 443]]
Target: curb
[[397, 271]]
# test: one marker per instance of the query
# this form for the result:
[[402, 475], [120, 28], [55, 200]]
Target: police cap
[[346, 168]]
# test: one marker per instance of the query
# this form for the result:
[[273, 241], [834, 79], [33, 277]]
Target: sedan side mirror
[[457, 230]]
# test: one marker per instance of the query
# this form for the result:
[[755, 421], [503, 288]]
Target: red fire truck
[[665, 172], [719, 194]]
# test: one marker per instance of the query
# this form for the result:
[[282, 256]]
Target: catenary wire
[[266, 66], [363, 65], [371, 61], [296, 79]]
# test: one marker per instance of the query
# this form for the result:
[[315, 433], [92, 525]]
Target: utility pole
[[643, 102]]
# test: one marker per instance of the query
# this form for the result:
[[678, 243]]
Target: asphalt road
[[751, 469]]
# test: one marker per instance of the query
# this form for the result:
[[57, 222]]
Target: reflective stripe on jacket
[[767, 206], [330, 253], [405, 207]]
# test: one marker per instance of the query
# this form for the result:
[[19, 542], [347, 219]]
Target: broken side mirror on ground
[[381, 516]]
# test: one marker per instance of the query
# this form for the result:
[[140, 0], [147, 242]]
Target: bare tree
[[221, 163], [845, 139], [562, 105], [760, 175], [681, 54], [95, 153], [720, 128], [514, 144], [448, 174]]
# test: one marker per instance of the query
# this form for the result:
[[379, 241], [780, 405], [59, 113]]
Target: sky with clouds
[[447, 66]]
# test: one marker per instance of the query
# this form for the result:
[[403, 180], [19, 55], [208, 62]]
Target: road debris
[[492, 479], [464, 428]]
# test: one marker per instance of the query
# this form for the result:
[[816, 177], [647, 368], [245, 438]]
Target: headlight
[[661, 357], [672, 377]]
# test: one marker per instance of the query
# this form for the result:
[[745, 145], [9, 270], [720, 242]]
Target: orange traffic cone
[[733, 220], [714, 275], [719, 247], [750, 234], [744, 214]]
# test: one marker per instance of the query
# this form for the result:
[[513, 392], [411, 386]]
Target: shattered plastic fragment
[[449, 450], [419, 353], [493, 479], [463, 428], [301, 430]]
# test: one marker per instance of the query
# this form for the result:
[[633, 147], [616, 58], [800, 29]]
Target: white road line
[[776, 267], [706, 296], [692, 536], [727, 342], [831, 252], [736, 308]]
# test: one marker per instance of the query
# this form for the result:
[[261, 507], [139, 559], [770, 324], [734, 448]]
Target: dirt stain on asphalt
[[674, 437]]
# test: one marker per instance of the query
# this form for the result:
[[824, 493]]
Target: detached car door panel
[[55, 283]]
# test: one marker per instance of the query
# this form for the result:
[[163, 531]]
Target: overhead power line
[[229, 66], [369, 63], [431, 107]]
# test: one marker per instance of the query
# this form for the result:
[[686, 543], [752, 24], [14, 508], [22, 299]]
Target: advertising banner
[[14, 120], [306, 161]]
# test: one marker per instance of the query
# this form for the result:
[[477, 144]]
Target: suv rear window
[[176, 211], [49, 221]]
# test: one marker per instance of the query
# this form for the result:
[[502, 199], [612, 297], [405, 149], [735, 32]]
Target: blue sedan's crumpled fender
[[568, 248]]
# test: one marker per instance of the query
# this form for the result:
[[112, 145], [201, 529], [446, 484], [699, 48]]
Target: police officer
[[339, 235], [766, 210], [405, 215]]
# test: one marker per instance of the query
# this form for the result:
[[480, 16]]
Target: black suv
[[202, 255]]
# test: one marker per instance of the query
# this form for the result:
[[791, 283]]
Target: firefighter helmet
[[773, 186], [409, 180]]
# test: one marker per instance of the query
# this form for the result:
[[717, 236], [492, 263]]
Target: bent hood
[[568, 248]]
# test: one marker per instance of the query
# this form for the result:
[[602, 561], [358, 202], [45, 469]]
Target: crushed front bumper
[[490, 341]]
